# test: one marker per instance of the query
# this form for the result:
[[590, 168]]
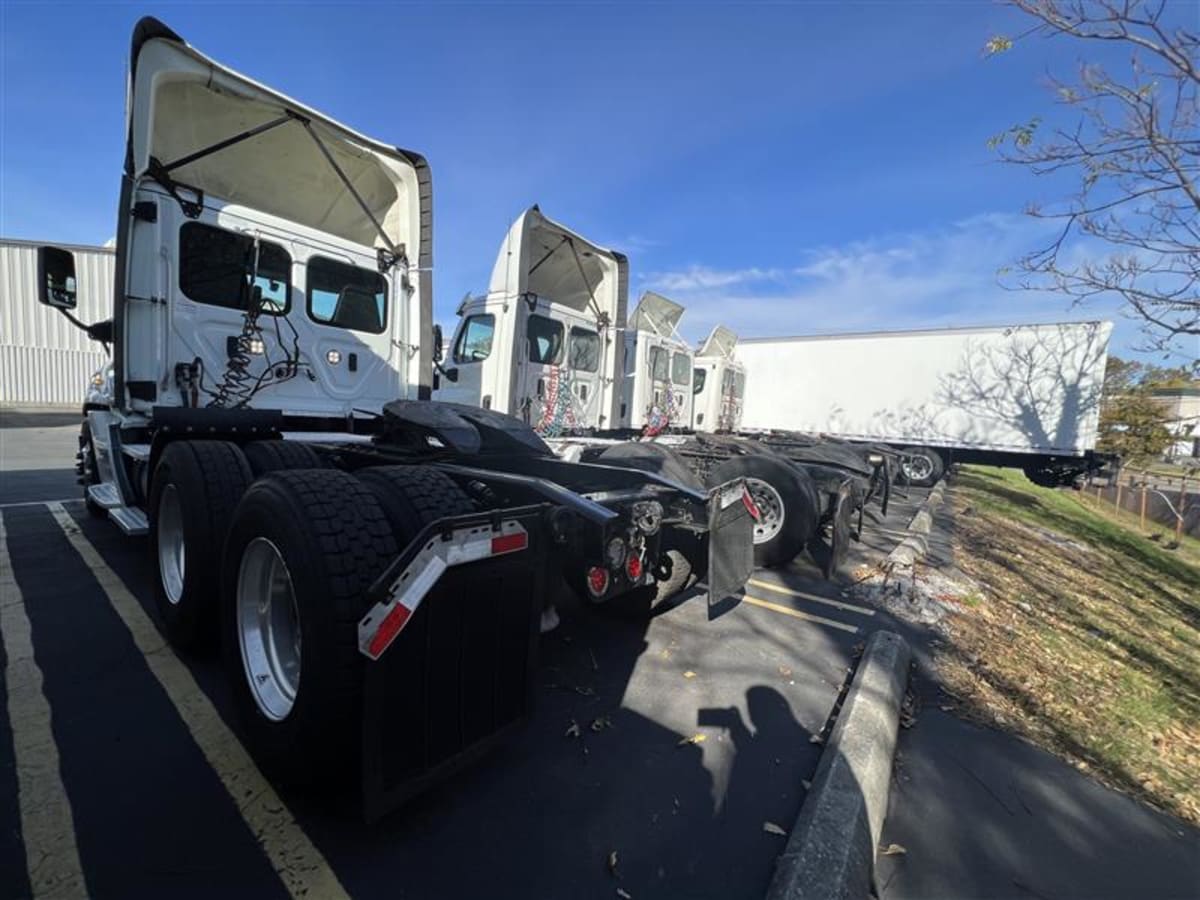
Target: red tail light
[[633, 567], [597, 581]]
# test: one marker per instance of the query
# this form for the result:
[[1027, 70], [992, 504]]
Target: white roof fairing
[[183, 102], [720, 342], [656, 313], [542, 257]]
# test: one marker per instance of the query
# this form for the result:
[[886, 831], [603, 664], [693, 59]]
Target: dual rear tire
[[279, 568]]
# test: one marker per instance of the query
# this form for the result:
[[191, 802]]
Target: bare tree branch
[[1135, 149]]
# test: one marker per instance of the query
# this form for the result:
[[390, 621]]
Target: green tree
[[1132, 150], [1132, 423]]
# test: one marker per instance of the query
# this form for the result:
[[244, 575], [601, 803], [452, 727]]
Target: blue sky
[[781, 168]]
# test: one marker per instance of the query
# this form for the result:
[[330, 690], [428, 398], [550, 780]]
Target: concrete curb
[[916, 544], [831, 850]]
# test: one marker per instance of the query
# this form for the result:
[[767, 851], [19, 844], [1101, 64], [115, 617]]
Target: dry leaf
[[772, 828], [893, 850], [689, 674], [807, 784], [572, 729], [584, 690], [600, 723], [694, 739], [785, 671], [624, 894], [816, 739], [612, 862]]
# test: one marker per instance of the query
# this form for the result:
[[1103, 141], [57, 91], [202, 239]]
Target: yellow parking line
[[47, 825], [797, 614], [780, 589], [299, 864]]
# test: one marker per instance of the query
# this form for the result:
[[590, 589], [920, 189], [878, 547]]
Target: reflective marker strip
[[47, 824], [386, 619]]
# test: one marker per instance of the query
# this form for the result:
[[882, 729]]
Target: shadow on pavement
[[39, 418]]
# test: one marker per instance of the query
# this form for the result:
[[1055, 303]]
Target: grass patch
[[1086, 636]]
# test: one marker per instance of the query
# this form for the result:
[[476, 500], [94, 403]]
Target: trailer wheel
[[650, 457], [921, 466], [789, 508], [196, 487], [304, 547], [279, 456], [88, 473], [414, 496]]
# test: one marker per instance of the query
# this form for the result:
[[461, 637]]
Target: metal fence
[[1169, 500], [44, 359]]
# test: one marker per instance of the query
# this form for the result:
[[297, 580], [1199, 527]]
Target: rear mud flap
[[841, 527], [460, 675], [730, 542]]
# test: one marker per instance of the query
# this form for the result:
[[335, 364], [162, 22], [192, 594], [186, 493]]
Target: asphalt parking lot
[[669, 743]]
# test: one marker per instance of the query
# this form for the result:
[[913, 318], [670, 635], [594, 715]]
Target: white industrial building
[[44, 359]]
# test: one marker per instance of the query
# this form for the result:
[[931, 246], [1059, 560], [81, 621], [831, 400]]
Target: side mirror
[[56, 277], [437, 342]]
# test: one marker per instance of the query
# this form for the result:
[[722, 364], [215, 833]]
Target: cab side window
[[346, 296], [474, 342], [545, 340], [221, 268], [583, 354], [658, 363], [681, 368], [698, 384]]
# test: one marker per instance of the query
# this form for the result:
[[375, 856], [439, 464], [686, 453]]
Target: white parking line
[[299, 864], [47, 825], [38, 503], [780, 589]]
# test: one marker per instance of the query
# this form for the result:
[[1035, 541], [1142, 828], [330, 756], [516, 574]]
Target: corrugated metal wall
[[44, 359]]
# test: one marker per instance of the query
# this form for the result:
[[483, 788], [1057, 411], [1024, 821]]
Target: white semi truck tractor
[[552, 341], [373, 564]]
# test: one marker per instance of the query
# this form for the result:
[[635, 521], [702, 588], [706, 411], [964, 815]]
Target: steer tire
[[801, 503], [204, 481], [413, 496], [650, 457], [280, 456], [335, 541], [936, 468], [89, 474]]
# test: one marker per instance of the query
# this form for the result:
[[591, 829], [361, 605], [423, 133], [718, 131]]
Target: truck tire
[[279, 456], [88, 473], [788, 503], [651, 457], [306, 544], [413, 496], [921, 466], [196, 487]]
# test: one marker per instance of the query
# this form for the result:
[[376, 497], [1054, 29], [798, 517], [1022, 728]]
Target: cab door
[[467, 362], [583, 366], [544, 396]]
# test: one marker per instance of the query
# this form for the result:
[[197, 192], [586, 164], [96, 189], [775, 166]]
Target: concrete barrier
[[831, 849]]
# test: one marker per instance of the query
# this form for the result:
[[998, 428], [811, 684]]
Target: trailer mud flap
[[840, 528], [730, 541], [459, 675]]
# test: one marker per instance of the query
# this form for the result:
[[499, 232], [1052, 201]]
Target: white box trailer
[[1019, 395]]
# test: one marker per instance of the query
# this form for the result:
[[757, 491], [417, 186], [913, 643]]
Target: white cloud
[[935, 278]]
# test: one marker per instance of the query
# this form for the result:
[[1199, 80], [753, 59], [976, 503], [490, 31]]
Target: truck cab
[[543, 342], [719, 384], [656, 388]]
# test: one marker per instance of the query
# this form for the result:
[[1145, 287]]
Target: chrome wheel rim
[[771, 511], [917, 468], [172, 555], [268, 623]]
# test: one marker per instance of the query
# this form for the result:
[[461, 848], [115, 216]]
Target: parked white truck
[[1026, 396], [552, 341], [374, 564]]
